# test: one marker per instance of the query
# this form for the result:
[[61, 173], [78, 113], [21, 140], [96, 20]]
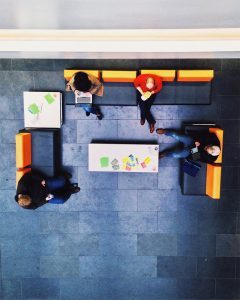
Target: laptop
[[82, 99]]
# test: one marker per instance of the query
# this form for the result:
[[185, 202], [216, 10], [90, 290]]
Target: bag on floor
[[191, 168]]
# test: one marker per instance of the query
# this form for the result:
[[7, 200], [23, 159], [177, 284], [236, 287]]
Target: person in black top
[[34, 190], [206, 144]]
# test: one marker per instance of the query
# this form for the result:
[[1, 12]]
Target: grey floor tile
[[5, 64], [216, 267], [8, 203], [164, 200], [32, 64], [117, 266], [165, 112], [228, 288], [69, 132], [168, 178], [58, 266], [131, 181], [227, 245], [75, 155], [96, 180], [76, 113], [196, 288], [196, 203], [49, 81], [40, 288], [157, 244], [9, 128], [9, 153], [12, 289], [176, 266], [7, 106], [90, 130], [118, 244]]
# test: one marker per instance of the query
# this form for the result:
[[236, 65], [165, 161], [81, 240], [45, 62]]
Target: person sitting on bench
[[83, 82], [147, 85], [34, 190], [200, 146]]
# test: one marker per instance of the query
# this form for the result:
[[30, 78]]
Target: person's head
[[82, 82], [213, 150], [150, 83], [24, 200]]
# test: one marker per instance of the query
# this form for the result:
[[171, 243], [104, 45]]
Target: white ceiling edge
[[160, 43]]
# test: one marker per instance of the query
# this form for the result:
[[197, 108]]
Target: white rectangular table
[[123, 158], [42, 109]]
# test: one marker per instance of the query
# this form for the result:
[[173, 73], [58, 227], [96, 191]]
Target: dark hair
[[81, 82]]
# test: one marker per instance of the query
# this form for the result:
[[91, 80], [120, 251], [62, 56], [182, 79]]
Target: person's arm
[[137, 83], [96, 84], [158, 84]]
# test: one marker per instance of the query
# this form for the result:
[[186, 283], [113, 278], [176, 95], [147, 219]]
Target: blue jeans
[[55, 186], [92, 109], [187, 142]]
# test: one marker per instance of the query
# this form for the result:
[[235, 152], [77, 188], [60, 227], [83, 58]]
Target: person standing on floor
[[35, 190], [147, 85], [83, 82]]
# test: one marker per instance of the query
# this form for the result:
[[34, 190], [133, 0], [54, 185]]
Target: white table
[[123, 158], [42, 109]]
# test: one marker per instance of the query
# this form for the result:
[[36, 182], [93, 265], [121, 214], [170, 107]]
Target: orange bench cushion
[[219, 134], [195, 75], [20, 173], [213, 181], [166, 75], [23, 150], [119, 76], [69, 73]]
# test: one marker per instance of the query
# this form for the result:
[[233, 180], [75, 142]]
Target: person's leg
[[177, 153], [142, 107], [55, 183], [57, 200], [148, 105], [183, 138]]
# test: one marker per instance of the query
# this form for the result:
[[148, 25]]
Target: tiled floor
[[124, 236]]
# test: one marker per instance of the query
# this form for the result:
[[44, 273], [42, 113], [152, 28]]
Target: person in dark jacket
[[34, 190], [207, 145]]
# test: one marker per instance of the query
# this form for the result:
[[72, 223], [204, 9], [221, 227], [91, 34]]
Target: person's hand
[[197, 144], [49, 197], [43, 183], [68, 87], [147, 95]]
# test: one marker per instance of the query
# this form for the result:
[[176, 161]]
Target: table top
[[42, 109], [123, 158]]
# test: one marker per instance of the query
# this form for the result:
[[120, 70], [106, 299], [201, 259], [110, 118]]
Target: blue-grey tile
[[117, 266], [103, 200], [58, 266], [82, 288], [97, 180], [164, 200], [9, 153], [16, 267], [75, 155], [32, 64], [176, 266], [217, 222], [168, 177], [78, 244], [196, 203], [119, 112], [237, 267], [157, 244], [9, 128], [196, 245], [230, 177], [7, 201], [231, 131], [7, 106], [228, 288], [49, 244], [177, 222], [15, 223], [76, 113], [196, 288], [132, 130], [230, 107], [40, 288], [69, 132], [53, 222], [165, 112], [12, 289], [8, 178], [168, 124], [227, 245], [21, 81], [216, 267], [88, 130], [146, 181], [118, 244], [5, 64], [49, 81]]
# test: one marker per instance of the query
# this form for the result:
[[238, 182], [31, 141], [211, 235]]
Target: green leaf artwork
[[33, 109], [50, 99], [104, 161]]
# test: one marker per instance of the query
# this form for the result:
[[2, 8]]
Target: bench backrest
[[195, 75], [69, 73], [166, 75], [119, 76]]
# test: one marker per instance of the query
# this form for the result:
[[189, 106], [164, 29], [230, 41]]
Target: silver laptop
[[83, 98]]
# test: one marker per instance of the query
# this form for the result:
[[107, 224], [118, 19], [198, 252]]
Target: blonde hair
[[24, 200]]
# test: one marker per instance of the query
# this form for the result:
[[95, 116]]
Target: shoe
[[67, 175], [100, 117], [161, 155], [152, 127], [87, 113], [142, 122], [74, 188], [160, 131]]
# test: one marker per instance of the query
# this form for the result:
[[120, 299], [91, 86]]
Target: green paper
[[104, 161], [33, 108], [49, 98]]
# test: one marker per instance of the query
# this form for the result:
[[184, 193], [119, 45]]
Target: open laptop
[[83, 99]]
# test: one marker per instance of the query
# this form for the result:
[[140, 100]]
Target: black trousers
[[145, 107]]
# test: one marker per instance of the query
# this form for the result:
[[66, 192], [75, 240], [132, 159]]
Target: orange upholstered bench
[[119, 76], [69, 73], [166, 75], [195, 75]]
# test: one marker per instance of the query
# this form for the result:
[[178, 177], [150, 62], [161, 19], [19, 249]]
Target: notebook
[[83, 98]]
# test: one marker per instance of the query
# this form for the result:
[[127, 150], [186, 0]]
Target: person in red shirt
[[147, 85]]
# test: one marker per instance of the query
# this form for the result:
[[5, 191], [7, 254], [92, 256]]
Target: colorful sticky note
[[147, 160], [50, 99], [104, 161], [33, 109]]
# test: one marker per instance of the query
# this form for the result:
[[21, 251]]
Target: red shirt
[[141, 82]]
